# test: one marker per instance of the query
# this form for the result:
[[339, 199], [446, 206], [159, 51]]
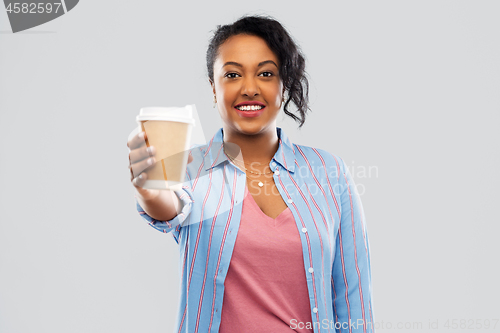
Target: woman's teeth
[[249, 107]]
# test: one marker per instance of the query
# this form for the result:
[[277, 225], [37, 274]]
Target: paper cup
[[168, 129]]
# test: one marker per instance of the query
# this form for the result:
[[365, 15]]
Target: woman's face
[[247, 85]]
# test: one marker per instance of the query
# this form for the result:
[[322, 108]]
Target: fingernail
[[150, 161], [140, 176], [151, 150], [141, 135]]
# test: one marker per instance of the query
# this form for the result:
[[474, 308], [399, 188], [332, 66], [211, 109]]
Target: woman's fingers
[[137, 141], [140, 180], [137, 168], [141, 153], [141, 158]]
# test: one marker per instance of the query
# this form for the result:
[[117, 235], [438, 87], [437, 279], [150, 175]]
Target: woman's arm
[[351, 272], [163, 207], [184, 197]]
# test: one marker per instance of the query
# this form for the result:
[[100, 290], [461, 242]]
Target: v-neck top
[[265, 288]]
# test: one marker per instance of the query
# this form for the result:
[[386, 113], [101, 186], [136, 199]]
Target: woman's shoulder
[[318, 158]]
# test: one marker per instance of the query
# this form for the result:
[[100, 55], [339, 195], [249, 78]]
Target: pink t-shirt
[[265, 288]]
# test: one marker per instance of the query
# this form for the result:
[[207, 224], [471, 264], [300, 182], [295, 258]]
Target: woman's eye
[[266, 74], [231, 75]]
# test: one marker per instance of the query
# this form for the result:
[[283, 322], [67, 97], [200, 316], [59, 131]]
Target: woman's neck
[[258, 148]]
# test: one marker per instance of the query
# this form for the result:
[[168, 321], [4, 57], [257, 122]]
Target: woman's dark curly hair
[[291, 60]]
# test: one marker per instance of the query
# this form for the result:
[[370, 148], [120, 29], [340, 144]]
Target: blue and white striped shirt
[[320, 192]]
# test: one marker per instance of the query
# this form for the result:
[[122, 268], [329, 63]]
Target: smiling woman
[[272, 234]]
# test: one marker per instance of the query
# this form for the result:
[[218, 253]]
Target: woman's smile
[[250, 109]]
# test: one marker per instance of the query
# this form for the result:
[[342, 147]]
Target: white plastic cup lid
[[179, 114]]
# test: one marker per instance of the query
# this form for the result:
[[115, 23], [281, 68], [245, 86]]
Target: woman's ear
[[213, 85]]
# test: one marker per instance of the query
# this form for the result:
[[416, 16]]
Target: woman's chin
[[253, 128]]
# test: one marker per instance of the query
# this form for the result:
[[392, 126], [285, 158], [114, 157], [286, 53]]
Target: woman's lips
[[251, 113]]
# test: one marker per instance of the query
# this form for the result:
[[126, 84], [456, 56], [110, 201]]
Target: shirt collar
[[285, 155]]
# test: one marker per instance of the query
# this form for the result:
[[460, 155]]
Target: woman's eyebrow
[[259, 65], [267, 62]]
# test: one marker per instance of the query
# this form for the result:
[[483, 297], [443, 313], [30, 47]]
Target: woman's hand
[[141, 158]]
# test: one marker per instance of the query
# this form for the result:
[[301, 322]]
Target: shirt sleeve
[[351, 271], [178, 221]]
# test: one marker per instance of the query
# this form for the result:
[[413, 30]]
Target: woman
[[272, 235]]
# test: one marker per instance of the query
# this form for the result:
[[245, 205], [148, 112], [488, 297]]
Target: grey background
[[409, 88]]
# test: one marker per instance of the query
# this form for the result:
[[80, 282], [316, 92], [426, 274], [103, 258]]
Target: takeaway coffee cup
[[168, 129]]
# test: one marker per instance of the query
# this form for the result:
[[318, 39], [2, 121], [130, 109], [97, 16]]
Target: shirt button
[[290, 200], [315, 310], [304, 230], [273, 164], [311, 269], [276, 172]]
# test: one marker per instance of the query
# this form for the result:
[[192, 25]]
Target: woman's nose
[[250, 87]]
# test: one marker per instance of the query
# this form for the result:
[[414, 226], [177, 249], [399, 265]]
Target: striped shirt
[[321, 194]]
